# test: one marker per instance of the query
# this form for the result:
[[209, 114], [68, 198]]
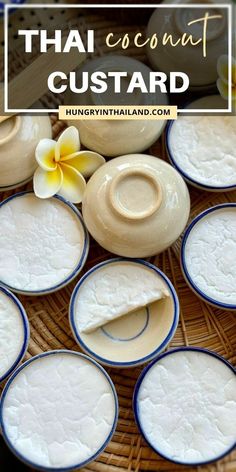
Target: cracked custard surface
[[210, 255], [187, 406], [204, 148], [11, 333], [59, 410], [41, 242], [114, 290]]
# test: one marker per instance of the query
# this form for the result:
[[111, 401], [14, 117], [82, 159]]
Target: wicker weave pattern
[[200, 325]]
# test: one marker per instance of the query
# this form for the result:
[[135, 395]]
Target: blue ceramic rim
[[144, 359], [199, 292], [132, 337], [135, 401], [72, 467], [83, 257], [25, 327], [189, 179], [17, 2]]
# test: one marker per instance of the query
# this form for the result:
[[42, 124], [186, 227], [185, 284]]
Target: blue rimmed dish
[[212, 172], [15, 332], [46, 242], [168, 385], [135, 338], [207, 256], [66, 368]]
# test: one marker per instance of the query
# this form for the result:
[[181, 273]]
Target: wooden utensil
[[31, 83]]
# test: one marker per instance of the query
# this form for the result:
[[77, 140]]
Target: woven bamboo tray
[[200, 324]]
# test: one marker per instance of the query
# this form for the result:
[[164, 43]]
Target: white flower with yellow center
[[223, 72], [63, 167]]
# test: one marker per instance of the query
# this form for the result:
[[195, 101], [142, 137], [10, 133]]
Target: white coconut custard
[[203, 147], [14, 332], [185, 406], [59, 410], [209, 255], [123, 312], [44, 243], [114, 291]]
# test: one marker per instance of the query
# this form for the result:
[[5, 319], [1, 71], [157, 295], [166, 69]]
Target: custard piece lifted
[[114, 290]]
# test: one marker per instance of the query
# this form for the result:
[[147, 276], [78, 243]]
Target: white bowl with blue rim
[[44, 243], [14, 332], [132, 339], [202, 148], [64, 416], [208, 256], [185, 407]]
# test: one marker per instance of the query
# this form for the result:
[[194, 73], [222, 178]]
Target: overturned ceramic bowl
[[136, 205], [117, 137], [142, 330], [19, 136], [173, 17], [15, 331]]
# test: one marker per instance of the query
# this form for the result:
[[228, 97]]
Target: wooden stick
[[31, 84]]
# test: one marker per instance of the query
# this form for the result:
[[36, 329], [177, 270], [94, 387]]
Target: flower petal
[[73, 184], [222, 67], [45, 154], [223, 88], [68, 143], [86, 162], [46, 184]]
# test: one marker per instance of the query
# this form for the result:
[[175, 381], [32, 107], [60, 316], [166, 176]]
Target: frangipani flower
[[63, 167], [222, 82]]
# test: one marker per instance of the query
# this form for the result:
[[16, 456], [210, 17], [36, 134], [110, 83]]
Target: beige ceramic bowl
[[135, 338], [202, 73], [116, 137], [19, 136], [136, 205]]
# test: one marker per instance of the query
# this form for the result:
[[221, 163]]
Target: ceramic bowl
[[208, 256], [46, 265], [116, 137], [135, 338], [136, 205], [65, 369], [10, 355], [19, 136], [202, 148], [168, 368], [202, 72]]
